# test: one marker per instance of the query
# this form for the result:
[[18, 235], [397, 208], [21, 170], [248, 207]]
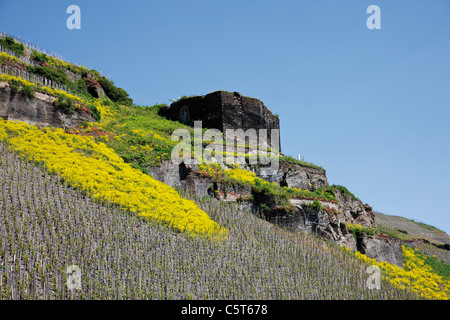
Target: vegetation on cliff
[[417, 274]]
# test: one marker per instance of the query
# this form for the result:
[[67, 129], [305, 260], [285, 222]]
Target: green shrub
[[316, 205], [14, 89], [344, 190], [80, 87], [94, 112], [359, 231], [114, 93], [28, 91], [56, 75], [39, 57]]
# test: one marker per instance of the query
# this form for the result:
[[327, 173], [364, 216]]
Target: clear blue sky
[[370, 106]]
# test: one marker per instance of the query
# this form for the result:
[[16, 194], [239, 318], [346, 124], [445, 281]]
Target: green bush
[[10, 44], [359, 231], [80, 87], [94, 112], [56, 75], [344, 190], [114, 93]]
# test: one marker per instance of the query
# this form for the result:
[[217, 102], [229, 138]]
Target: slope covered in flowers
[[97, 169], [416, 274], [45, 226]]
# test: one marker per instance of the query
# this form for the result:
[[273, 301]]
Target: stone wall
[[224, 110]]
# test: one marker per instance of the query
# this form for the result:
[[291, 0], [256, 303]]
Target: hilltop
[[427, 238]]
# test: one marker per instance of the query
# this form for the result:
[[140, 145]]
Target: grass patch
[[291, 160], [142, 137]]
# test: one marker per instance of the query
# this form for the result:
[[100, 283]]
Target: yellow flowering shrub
[[97, 169], [235, 175], [8, 78], [239, 175], [4, 56], [415, 275]]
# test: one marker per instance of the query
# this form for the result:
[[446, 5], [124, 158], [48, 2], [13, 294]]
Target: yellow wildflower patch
[[95, 168], [415, 275]]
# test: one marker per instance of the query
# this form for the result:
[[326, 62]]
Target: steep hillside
[[428, 239], [92, 183], [407, 229], [45, 226]]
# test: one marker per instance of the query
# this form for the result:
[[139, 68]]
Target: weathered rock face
[[331, 227], [184, 177], [294, 176], [382, 248], [38, 110], [224, 110], [354, 211]]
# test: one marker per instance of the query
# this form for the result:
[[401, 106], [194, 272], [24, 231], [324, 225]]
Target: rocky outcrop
[[94, 88], [354, 211], [330, 222], [224, 110], [38, 110], [382, 248], [188, 178], [326, 222], [294, 176], [183, 177]]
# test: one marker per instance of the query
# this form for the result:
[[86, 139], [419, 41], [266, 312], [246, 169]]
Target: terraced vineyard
[[46, 226]]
